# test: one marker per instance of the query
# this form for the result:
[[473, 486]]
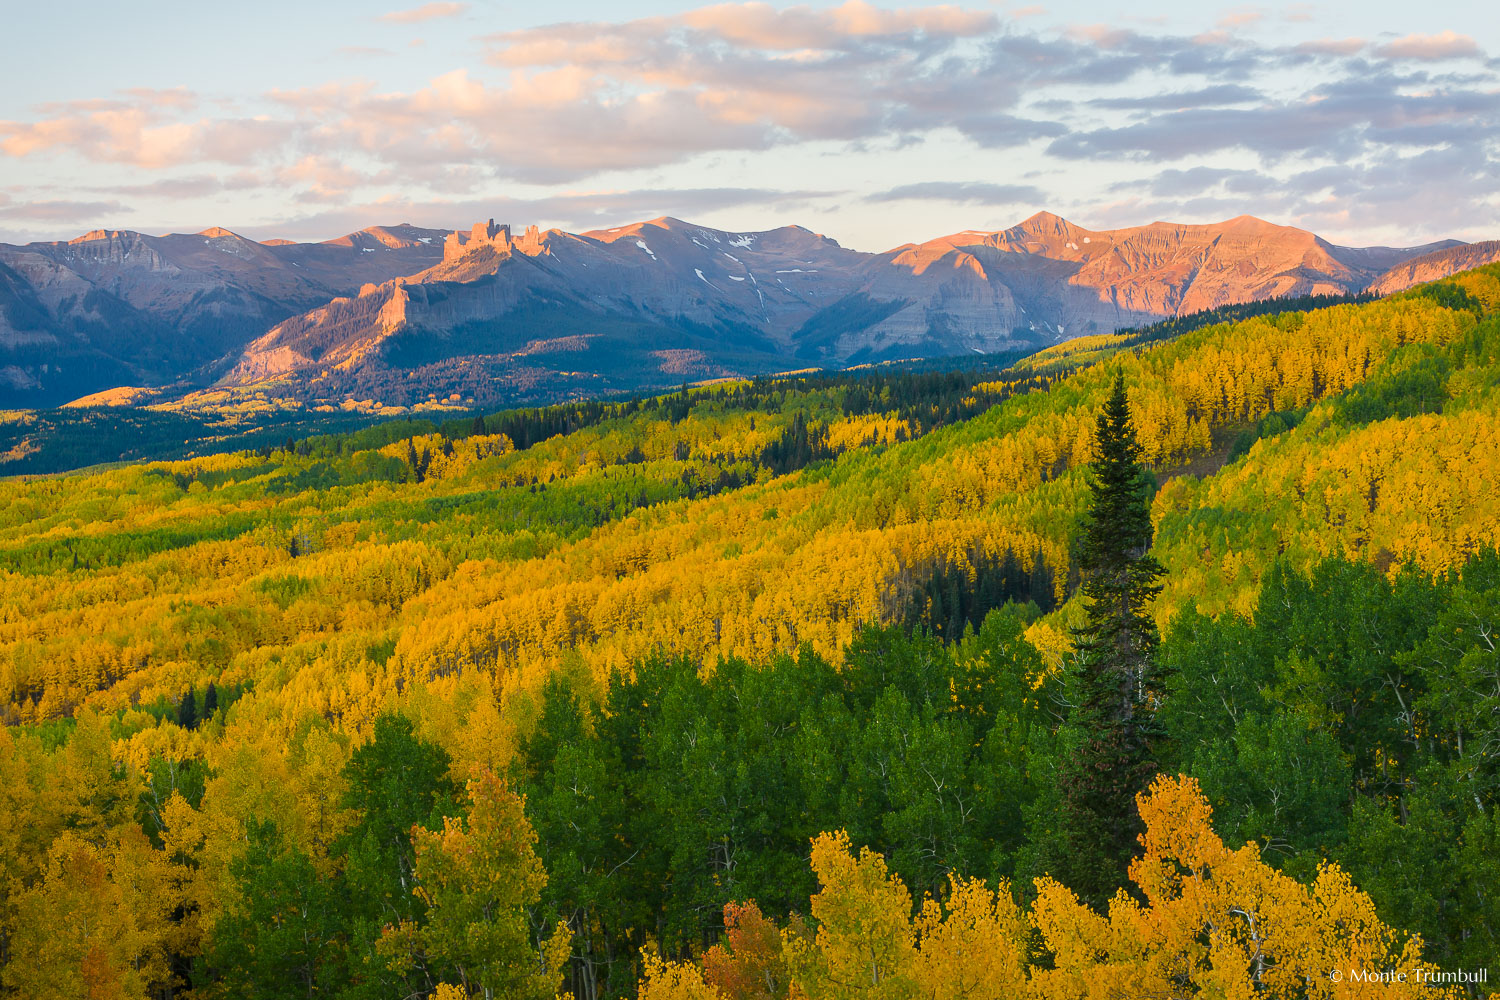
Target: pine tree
[[187, 711], [210, 701], [1115, 686], [413, 460]]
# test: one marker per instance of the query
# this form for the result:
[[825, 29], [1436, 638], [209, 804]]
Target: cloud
[[1440, 192], [59, 211], [1341, 120], [144, 132], [1444, 45], [581, 103], [1241, 17], [564, 102], [1223, 93], [1331, 46], [1193, 181], [426, 12], [185, 187], [964, 193], [171, 97]]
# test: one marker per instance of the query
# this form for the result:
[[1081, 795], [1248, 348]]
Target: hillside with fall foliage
[[724, 686]]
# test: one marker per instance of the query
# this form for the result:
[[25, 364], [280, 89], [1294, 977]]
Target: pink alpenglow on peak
[[483, 234]]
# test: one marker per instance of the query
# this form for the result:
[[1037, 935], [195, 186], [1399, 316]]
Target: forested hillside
[[755, 689]]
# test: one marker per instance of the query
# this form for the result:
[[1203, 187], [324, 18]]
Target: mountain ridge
[[639, 302]]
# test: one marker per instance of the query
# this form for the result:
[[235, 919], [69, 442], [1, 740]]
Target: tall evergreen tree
[[187, 711], [1115, 685]]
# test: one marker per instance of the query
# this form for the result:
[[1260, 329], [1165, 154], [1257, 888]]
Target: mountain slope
[[655, 301], [662, 298], [113, 306], [1436, 265], [619, 529], [398, 314], [1168, 269]]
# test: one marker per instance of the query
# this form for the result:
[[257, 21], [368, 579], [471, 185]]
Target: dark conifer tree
[[413, 460], [210, 701], [187, 711], [1115, 686]]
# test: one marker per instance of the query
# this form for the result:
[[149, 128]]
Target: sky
[[876, 124]]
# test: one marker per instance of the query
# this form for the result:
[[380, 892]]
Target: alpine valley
[[394, 317], [784, 687]]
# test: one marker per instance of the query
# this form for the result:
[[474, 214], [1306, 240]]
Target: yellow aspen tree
[[666, 980], [95, 926], [477, 876], [975, 945], [1220, 923], [865, 946]]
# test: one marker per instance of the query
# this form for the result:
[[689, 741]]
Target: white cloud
[[1444, 45], [426, 12], [571, 103]]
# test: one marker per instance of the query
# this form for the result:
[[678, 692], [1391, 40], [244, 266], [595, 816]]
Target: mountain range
[[403, 314]]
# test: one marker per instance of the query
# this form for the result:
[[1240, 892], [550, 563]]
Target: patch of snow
[[748, 242], [735, 277], [976, 350], [700, 274], [424, 239], [616, 229], [643, 246], [731, 256], [1072, 245], [367, 250], [797, 270], [1059, 328], [1087, 240]]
